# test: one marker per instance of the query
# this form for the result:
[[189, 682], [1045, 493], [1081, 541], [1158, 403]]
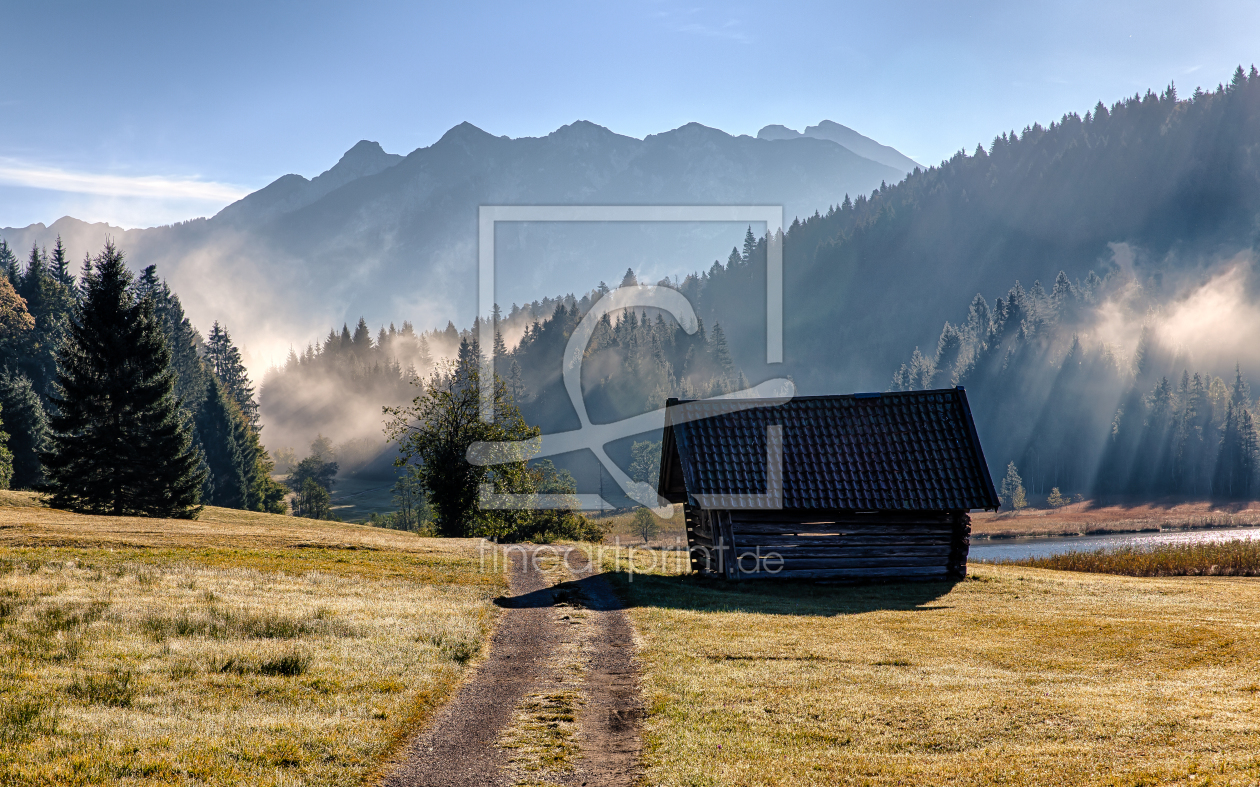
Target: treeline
[[635, 360], [1173, 176], [42, 306], [1077, 416], [337, 387]]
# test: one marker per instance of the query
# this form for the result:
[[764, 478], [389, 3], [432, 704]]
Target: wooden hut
[[859, 487]]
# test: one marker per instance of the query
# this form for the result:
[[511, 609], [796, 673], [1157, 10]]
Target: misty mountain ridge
[[292, 192], [847, 138], [394, 237]]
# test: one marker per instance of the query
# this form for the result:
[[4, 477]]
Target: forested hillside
[[1175, 179], [635, 360], [1087, 391]]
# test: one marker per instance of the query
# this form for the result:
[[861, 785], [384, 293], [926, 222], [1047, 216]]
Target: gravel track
[[459, 748]]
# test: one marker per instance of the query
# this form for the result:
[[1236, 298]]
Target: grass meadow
[[1016, 676], [234, 649]]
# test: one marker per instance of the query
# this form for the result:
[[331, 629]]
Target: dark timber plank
[[941, 552], [933, 528], [792, 564], [916, 572], [821, 542]]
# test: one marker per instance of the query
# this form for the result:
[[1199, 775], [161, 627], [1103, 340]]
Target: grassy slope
[[1016, 676], [237, 648]]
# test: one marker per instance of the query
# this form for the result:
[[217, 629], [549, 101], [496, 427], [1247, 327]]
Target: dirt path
[[463, 746]]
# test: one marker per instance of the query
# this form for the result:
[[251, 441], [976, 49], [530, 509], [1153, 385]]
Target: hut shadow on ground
[[768, 597]]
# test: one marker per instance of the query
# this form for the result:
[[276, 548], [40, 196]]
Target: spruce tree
[[221, 433], [59, 265], [1012, 491], [191, 375], [224, 360], [8, 262], [361, 342], [750, 244], [1236, 460], [27, 424], [721, 353], [6, 460], [84, 273], [120, 443]]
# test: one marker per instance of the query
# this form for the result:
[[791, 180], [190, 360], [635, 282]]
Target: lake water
[[985, 550]]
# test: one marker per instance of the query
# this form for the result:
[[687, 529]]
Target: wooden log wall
[[920, 545]]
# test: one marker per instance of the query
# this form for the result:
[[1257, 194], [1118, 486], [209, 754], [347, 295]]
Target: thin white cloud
[[18, 173], [727, 31], [690, 22]]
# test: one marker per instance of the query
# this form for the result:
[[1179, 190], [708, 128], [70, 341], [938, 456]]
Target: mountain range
[[394, 237]]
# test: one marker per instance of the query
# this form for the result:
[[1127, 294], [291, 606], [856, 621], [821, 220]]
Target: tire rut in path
[[459, 747]]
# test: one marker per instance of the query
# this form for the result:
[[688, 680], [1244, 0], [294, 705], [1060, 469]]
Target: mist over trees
[[635, 360], [1076, 413], [434, 433], [1174, 177]]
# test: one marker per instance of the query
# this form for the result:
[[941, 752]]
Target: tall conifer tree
[[120, 443], [27, 424], [225, 361], [222, 434], [59, 265], [8, 262]]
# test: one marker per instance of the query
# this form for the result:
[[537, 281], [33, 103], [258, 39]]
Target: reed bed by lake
[[1232, 558]]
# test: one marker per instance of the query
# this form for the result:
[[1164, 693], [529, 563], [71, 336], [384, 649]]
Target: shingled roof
[[913, 450]]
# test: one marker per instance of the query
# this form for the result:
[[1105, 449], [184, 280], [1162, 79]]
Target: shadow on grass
[[770, 597]]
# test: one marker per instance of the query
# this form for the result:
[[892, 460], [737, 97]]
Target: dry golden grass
[[1017, 676], [236, 649], [619, 528]]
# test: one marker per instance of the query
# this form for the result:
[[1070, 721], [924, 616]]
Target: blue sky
[[147, 113]]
